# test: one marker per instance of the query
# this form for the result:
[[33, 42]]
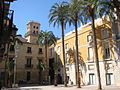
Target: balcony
[[29, 52], [28, 66], [40, 52]]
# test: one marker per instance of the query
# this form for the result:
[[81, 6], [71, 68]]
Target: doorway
[[51, 70], [28, 76], [91, 79], [109, 78]]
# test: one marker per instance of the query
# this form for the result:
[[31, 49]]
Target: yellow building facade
[[87, 63]]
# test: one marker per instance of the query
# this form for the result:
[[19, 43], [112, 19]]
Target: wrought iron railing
[[28, 66]]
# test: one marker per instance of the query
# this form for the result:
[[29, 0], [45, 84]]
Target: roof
[[21, 39], [97, 21], [33, 22]]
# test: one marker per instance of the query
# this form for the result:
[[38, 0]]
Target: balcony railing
[[29, 52], [27, 66], [40, 52]]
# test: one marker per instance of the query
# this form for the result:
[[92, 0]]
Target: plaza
[[86, 55], [61, 87]]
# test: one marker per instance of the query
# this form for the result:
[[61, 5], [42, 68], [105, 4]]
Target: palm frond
[[46, 37], [58, 13]]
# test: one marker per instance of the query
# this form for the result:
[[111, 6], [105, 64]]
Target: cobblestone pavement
[[61, 87]]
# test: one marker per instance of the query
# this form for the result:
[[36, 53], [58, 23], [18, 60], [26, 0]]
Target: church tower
[[33, 28]]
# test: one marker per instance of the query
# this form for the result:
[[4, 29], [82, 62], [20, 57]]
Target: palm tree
[[110, 8], [46, 38], [56, 72], [74, 18], [41, 67], [90, 11], [58, 15]]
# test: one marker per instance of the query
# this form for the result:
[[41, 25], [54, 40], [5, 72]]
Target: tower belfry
[[33, 28]]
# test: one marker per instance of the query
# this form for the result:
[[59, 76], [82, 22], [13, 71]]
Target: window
[[36, 27], [67, 58], [36, 32], [58, 50], [40, 51], [12, 48], [29, 50], [109, 78], [66, 46], [33, 26], [29, 61], [33, 32], [91, 79], [89, 38], [106, 51], [28, 76], [90, 53], [105, 33]]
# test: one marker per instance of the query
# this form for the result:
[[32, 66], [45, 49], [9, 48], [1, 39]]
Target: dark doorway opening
[[51, 70], [28, 76]]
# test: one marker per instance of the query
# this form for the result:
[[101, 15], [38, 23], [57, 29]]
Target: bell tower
[[33, 28]]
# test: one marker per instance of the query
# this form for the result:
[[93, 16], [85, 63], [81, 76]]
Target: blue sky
[[35, 10]]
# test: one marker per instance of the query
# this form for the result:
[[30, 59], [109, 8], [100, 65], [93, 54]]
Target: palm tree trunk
[[63, 49], [56, 71], [46, 61], [77, 59], [96, 52], [46, 54]]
